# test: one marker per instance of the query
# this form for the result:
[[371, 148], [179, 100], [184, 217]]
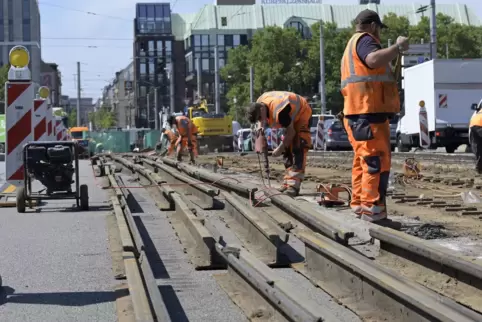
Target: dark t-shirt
[[284, 118], [366, 45]]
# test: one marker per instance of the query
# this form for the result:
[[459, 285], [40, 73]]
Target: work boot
[[283, 188]]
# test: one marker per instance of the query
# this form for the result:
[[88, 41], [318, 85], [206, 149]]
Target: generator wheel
[[84, 197], [21, 200]]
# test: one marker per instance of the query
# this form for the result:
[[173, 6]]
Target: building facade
[[123, 97], [153, 60], [167, 41], [20, 25]]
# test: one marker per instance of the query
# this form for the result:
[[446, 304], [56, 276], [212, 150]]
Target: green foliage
[[282, 60], [103, 119], [72, 118], [3, 79]]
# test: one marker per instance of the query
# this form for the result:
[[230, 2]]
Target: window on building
[[212, 40], [150, 47], [159, 13], [25, 9], [151, 13], [168, 46], [220, 40], [244, 39], [142, 91], [26, 30], [142, 11], [205, 64], [205, 40], [10, 9], [298, 26], [197, 40], [228, 40], [222, 63], [159, 47], [236, 40], [11, 31], [152, 68], [2, 29], [142, 68]]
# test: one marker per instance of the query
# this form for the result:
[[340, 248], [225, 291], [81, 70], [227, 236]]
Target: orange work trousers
[[295, 158], [189, 142], [371, 163]]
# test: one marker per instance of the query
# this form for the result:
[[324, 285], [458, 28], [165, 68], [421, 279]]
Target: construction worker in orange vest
[[171, 138], [187, 136], [371, 98], [293, 113], [475, 136]]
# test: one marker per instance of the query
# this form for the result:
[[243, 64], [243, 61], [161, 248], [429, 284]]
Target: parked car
[[335, 137], [242, 136]]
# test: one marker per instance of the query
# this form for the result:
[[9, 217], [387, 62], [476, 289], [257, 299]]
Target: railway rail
[[274, 230]]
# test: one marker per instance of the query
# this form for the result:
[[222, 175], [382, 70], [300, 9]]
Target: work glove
[[279, 150]]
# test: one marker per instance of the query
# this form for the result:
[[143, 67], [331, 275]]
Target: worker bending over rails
[[187, 136], [371, 98], [171, 139], [475, 136], [293, 113]]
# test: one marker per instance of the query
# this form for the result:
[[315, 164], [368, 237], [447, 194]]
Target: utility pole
[[156, 109], [433, 31], [78, 93], [199, 78], [148, 111], [172, 94], [322, 70], [251, 84], [217, 100]]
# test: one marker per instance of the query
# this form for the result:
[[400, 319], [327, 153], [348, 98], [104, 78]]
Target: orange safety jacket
[[366, 90], [476, 119], [185, 127], [276, 101]]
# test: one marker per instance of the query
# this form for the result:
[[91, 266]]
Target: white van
[[242, 134]]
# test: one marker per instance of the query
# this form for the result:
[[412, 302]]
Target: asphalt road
[[55, 261]]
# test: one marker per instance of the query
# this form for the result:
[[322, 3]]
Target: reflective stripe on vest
[[353, 78], [296, 103]]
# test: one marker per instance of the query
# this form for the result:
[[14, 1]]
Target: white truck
[[449, 88]]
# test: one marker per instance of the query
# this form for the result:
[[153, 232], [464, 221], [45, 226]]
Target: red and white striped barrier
[[424, 133], [58, 128], [50, 123], [40, 120], [320, 134], [19, 98]]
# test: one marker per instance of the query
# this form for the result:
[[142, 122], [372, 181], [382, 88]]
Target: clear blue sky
[[112, 19]]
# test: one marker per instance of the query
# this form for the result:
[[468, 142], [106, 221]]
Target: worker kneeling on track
[[475, 136], [187, 136], [371, 98], [167, 148], [292, 112]]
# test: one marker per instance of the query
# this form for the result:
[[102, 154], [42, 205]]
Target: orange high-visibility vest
[[476, 119], [185, 126], [276, 101], [366, 90]]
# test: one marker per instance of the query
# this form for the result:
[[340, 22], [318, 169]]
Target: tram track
[[266, 234]]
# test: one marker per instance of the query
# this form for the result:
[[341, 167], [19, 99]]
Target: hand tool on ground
[[330, 195]]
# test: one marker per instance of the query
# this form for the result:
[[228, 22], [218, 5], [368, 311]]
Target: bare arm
[[382, 57], [289, 135]]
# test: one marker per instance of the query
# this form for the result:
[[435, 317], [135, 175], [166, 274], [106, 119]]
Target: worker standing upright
[[475, 136], [187, 136], [292, 112], [371, 98]]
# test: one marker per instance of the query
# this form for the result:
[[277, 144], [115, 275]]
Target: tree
[[3, 79], [103, 118], [72, 120], [283, 61]]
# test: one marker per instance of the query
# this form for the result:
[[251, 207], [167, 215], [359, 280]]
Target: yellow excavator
[[215, 131]]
